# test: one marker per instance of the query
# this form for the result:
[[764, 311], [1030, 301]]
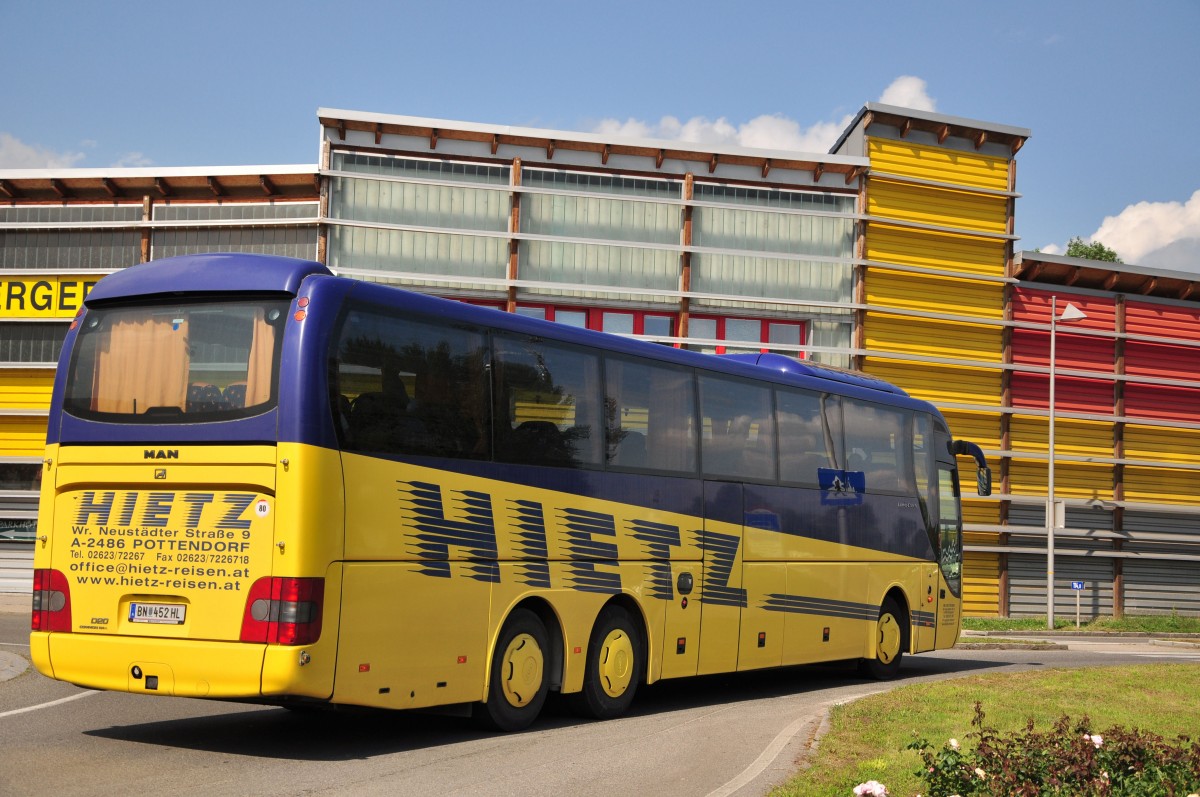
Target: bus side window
[[404, 386], [876, 445], [738, 430], [649, 417], [547, 408], [802, 447]]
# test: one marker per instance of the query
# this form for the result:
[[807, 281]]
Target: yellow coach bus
[[265, 482]]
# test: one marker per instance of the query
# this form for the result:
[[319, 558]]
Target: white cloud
[[132, 159], [16, 154], [769, 131], [1052, 249], [908, 92], [1155, 233]]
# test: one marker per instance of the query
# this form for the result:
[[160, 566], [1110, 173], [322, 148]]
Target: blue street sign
[[1076, 585]]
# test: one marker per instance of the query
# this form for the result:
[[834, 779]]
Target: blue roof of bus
[[206, 274], [790, 365]]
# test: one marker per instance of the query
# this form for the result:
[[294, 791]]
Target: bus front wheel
[[890, 641], [518, 675], [614, 666]]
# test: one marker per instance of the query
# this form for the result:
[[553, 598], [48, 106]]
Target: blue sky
[[1110, 91]]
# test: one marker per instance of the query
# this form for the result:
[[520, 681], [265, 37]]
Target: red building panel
[[1033, 306], [1161, 320], [1079, 352], [1161, 402], [1071, 394], [1161, 360]]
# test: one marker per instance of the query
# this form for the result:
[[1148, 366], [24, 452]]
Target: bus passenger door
[[950, 558]]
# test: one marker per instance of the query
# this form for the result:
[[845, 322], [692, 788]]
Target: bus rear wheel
[[518, 682], [614, 666], [890, 641]]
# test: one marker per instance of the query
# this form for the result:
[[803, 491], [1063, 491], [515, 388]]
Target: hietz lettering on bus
[[43, 296]]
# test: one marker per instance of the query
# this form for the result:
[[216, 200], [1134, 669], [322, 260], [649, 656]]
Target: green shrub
[[1068, 759]]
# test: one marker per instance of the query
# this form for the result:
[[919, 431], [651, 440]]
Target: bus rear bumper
[[178, 667]]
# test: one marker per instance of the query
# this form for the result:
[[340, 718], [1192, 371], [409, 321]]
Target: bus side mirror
[[983, 481]]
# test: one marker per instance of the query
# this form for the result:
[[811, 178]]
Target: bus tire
[[890, 639], [615, 661], [518, 682]]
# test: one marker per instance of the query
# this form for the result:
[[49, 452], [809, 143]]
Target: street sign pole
[[1077, 588]]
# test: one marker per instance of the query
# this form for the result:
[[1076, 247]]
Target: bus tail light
[[283, 611], [51, 601]]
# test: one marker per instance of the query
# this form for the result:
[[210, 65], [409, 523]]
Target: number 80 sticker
[[262, 508]]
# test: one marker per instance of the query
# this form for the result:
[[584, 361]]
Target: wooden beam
[[712, 163], [1036, 272], [60, 189], [8, 189], [943, 133], [495, 143], [433, 137], [1018, 142], [268, 187], [1187, 291], [658, 162], [341, 128], [1148, 286], [215, 186], [1111, 281], [766, 169], [818, 170], [550, 144], [378, 133], [905, 128], [1075, 272], [980, 139], [604, 155], [855, 173], [110, 187], [161, 186]]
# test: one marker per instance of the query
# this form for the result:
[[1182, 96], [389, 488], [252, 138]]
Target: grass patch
[[867, 737], [1145, 624]]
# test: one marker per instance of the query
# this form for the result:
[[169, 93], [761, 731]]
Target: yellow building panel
[[1162, 444], [931, 293], [933, 338], [976, 511], [1071, 479], [1084, 438], [22, 436], [1161, 485], [938, 164], [982, 428], [940, 383], [26, 389], [941, 207], [943, 251], [981, 584]]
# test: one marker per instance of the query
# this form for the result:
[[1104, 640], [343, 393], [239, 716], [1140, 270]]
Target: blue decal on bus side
[[658, 538], [581, 526], [720, 554], [476, 534], [802, 604], [534, 569]]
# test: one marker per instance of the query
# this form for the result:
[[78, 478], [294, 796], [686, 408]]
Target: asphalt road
[[724, 735]]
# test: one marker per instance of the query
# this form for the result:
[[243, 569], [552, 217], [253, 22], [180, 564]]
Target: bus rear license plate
[[170, 613]]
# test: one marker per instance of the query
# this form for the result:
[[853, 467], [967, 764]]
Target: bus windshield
[[176, 363]]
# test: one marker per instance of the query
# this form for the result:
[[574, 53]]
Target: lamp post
[[1070, 313]]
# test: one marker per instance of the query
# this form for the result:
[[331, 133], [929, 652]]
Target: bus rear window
[[177, 363]]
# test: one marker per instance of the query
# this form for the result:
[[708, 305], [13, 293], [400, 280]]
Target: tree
[[1076, 247]]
